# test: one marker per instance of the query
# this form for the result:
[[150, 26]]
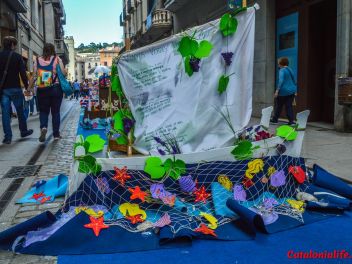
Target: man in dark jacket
[[11, 88]]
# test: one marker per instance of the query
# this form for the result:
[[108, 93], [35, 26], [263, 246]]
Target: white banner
[[165, 100]]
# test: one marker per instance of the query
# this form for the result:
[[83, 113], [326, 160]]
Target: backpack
[[45, 74]]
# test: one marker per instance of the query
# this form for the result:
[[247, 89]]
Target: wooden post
[[244, 3]]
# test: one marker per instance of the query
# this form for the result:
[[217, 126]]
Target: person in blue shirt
[[77, 88], [285, 92]]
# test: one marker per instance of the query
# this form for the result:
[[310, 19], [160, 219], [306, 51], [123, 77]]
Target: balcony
[[59, 7], [158, 21], [19, 6], [175, 5], [61, 50], [130, 5]]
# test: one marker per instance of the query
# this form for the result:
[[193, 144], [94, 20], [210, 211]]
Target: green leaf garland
[[223, 83]]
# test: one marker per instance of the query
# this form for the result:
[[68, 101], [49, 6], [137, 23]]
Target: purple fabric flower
[[187, 184], [269, 203], [128, 124], [103, 185], [278, 178], [239, 194]]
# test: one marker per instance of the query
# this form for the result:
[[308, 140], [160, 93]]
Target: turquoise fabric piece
[[54, 187], [220, 196]]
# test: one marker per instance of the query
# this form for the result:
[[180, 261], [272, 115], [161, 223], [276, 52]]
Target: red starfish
[[96, 225], [201, 195], [36, 196], [44, 199], [121, 175], [137, 193], [135, 219], [205, 230]]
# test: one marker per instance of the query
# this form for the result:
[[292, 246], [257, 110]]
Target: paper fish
[[298, 173], [103, 185], [89, 211], [213, 222], [302, 196], [298, 205], [158, 192], [128, 209], [163, 221], [144, 226], [271, 171], [187, 184], [278, 179], [205, 230], [239, 194], [225, 182], [254, 167], [247, 183]]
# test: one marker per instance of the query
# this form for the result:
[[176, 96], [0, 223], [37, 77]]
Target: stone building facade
[[34, 22], [71, 67], [85, 65], [316, 36]]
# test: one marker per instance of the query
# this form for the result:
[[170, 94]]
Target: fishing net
[[265, 185]]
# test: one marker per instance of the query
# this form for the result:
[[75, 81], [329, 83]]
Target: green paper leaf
[[188, 67], [118, 126], [287, 132], [223, 83], [243, 150], [88, 164], [204, 49], [188, 47], [175, 169], [96, 143], [154, 167], [228, 25]]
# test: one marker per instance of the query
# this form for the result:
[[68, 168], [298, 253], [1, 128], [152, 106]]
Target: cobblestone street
[[56, 159]]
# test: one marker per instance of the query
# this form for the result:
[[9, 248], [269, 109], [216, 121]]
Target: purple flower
[[227, 57], [127, 124], [161, 152], [159, 141]]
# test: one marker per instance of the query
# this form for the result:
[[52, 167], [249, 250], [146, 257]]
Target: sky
[[93, 21]]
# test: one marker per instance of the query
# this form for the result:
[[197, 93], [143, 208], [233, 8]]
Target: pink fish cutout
[[239, 194], [278, 178], [163, 221]]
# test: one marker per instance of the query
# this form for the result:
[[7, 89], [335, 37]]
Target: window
[[96, 64], [40, 18], [105, 63], [89, 66], [287, 40]]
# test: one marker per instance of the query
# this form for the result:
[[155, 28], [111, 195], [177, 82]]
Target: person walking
[[285, 92], [49, 93], [12, 69], [77, 88]]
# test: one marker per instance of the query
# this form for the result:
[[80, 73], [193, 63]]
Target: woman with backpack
[[285, 92], [49, 92]]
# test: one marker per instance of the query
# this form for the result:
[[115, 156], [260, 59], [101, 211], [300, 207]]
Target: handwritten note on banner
[[165, 100]]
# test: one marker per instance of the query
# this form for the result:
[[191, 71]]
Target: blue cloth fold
[[329, 181], [8, 236]]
